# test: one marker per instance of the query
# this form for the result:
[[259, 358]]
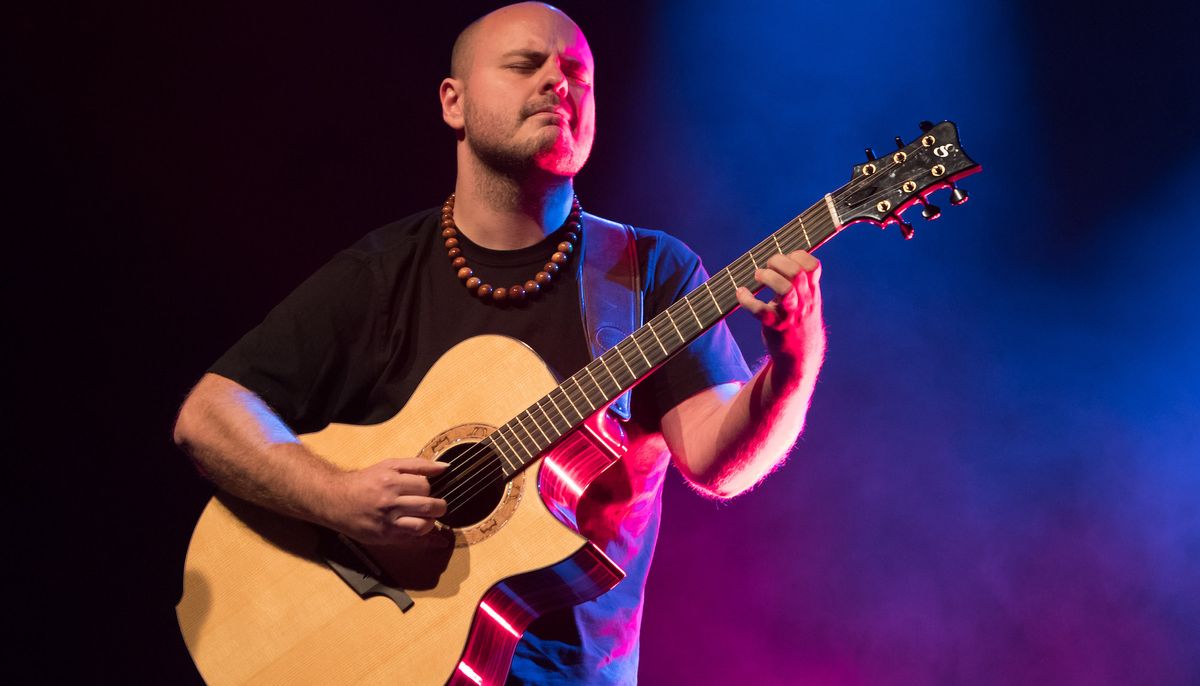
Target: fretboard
[[538, 427]]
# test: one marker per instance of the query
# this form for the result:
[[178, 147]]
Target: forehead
[[532, 30]]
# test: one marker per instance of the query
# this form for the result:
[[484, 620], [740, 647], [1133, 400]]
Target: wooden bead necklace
[[530, 288]]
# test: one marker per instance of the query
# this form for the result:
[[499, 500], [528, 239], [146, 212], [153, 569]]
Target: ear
[[450, 93]]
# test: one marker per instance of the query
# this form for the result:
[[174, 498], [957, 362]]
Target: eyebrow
[[539, 56]]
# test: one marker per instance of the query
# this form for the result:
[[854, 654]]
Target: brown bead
[[559, 258], [500, 294], [484, 291], [516, 293], [572, 236], [465, 273], [532, 287], [449, 232], [566, 247], [454, 252], [542, 278], [447, 222], [473, 282], [550, 268], [451, 242], [459, 261], [573, 224]]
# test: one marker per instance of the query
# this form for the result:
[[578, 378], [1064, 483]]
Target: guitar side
[[260, 605]]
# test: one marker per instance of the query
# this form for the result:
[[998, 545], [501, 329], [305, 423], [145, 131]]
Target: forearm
[[246, 449], [733, 443]]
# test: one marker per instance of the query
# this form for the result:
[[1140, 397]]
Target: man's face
[[527, 97]]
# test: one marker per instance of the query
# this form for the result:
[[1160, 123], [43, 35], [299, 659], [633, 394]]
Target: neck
[[505, 212]]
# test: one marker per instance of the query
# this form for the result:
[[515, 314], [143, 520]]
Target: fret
[[617, 348], [594, 381], [496, 446], [517, 436], [732, 280], [714, 298], [500, 432], [688, 301], [806, 238], [660, 343], [671, 319], [550, 397], [641, 352], [752, 261], [528, 433], [549, 421], [568, 397], [777, 246], [610, 374]]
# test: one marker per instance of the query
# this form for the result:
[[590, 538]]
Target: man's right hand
[[387, 502]]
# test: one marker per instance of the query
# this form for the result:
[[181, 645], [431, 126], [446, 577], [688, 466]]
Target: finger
[[411, 484], [417, 465], [773, 280], [767, 313], [418, 506], [785, 265], [806, 261], [413, 526]]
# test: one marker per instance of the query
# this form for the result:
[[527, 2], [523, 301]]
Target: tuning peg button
[[925, 126], [870, 154], [958, 196], [899, 143], [931, 212], [906, 230]]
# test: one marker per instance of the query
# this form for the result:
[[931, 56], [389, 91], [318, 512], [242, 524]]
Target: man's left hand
[[792, 325]]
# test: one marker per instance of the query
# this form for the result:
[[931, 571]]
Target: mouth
[[552, 112]]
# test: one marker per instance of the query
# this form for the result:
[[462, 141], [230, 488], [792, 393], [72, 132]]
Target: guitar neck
[[530, 433]]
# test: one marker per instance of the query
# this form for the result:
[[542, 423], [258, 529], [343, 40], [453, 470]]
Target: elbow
[[714, 483], [185, 420]]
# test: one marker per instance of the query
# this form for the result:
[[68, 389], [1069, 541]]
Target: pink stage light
[[470, 673], [558, 471], [499, 620]]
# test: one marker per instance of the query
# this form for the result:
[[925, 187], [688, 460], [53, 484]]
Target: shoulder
[[659, 252], [395, 240]]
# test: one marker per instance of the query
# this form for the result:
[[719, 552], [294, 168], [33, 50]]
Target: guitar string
[[477, 477], [466, 479], [473, 484]]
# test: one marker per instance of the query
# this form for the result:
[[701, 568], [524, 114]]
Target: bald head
[[463, 52]]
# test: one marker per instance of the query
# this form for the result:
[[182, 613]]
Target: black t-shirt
[[351, 344]]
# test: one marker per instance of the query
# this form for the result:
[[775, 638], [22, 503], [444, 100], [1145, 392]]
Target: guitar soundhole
[[472, 486]]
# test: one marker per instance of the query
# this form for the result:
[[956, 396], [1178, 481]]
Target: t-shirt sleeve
[[315, 353], [672, 271]]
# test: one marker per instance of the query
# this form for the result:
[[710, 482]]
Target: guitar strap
[[610, 289]]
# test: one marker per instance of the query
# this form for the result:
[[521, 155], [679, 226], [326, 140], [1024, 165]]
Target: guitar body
[[261, 604]]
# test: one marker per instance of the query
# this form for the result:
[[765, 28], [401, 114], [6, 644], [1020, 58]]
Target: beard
[[497, 142]]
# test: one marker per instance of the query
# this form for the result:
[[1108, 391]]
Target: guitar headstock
[[882, 188]]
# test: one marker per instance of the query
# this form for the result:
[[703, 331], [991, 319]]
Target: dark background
[[999, 482]]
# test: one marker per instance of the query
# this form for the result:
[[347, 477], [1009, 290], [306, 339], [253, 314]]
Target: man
[[351, 343]]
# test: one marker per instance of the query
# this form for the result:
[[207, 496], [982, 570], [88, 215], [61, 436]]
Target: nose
[[555, 79]]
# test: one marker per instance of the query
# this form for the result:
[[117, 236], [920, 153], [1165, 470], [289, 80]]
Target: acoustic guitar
[[272, 600]]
